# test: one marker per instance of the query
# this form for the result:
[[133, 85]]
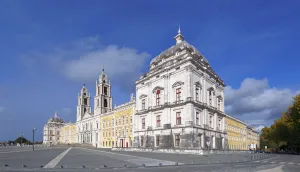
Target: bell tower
[[103, 99], [84, 105]]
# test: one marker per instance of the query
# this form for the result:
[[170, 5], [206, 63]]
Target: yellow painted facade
[[236, 133], [68, 133], [107, 130], [117, 126], [253, 141], [124, 126]]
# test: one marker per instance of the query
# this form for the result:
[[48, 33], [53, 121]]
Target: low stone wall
[[178, 151]]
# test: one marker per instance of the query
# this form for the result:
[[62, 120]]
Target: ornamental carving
[[198, 84], [142, 96], [157, 88], [220, 97], [177, 83]]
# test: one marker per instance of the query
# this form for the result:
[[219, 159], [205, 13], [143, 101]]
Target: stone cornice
[[197, 104], [198, 65]]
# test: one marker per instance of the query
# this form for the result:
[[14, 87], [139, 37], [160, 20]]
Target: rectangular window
[[177, 140], [219, 104], [158, 121], [211, 121], [143, 104], [157, 97], [197, 94], [157, 140], [143, 123], [178, 94], [210, 98], [142, 140], [219, 124], [178, 118], [98, 102], [197, 118], [200, 140]]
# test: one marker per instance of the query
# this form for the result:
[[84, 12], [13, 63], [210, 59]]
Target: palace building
[[180, 101], [179, 104], [52, 130], [236, 133], [103, 126]]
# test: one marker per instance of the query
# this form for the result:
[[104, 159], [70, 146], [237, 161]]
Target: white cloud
[[1, 109], [256, 102], [118, 63], [83, 60]]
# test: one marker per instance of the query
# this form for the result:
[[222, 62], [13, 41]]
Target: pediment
[[157, 88], [220, 97], [198, 84], [87, 115], [142, 96], [177, 84]]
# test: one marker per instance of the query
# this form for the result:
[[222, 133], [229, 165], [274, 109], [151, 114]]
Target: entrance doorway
[[127, 144], [122, 143]]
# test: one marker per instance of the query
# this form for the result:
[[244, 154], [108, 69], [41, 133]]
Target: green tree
[[285, 132], [23, 140]]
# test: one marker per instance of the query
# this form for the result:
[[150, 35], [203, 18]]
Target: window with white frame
[[197, 94], [158, 121], [197, 118], [178, 94], [177, 140], [157, 140], [219, 103], [210, 98], [178, 118], [143, 123], [157, 97], [143, 104], [219, 123], [142, 140], [211, 123]]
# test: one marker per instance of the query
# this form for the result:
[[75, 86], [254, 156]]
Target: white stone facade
[[88, 122], [52, 130], [180, 101]]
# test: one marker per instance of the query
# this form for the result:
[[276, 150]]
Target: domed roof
[[56, 119], [179, 46]]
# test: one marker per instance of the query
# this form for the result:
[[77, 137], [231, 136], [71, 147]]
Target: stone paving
[[83, 159]]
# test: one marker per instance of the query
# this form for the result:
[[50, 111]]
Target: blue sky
[[48, 49]]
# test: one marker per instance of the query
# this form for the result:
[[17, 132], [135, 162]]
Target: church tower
[[84, 105], [103, 99]]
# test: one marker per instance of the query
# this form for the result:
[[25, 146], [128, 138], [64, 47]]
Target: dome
[[56, 119], [176, 48]]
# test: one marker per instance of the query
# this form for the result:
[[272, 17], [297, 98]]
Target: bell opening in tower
[[105, 91], [85, 101], [84, 110], [105, 103]]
